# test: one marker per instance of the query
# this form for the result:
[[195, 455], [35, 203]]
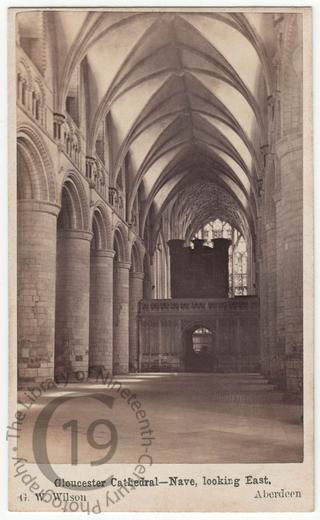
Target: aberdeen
[[278, 494]]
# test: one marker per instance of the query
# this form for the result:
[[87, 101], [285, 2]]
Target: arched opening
[[199, 347], [36, 261], [35, 179], [72, 287], [100, 308]]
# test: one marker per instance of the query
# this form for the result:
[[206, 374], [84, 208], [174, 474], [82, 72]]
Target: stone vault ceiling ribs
[[182, 94]]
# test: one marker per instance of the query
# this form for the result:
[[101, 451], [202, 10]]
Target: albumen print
[[161, 259]]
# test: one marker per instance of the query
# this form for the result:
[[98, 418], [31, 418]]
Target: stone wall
[[281, 218], [289, 259], [281, 266]]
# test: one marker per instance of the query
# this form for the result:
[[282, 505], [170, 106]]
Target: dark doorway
[[200, 350]]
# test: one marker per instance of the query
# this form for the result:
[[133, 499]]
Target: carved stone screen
[[167, 326]]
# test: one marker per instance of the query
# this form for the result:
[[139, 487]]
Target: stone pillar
[[289, 260], [72, 304], [121, 318], [135, 296], [36, 274], [271, 355], [101, 312]]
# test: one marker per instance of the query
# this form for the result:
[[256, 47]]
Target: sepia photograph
[[162, 259]]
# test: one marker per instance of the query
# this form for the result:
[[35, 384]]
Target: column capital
[[104, 253], [123, 265], [78, 234], [38, 205], [139, 276]]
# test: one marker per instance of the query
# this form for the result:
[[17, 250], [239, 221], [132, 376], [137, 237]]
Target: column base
[[99, 372], [30, 376], [120, 370], [294, 375], [71, 375]]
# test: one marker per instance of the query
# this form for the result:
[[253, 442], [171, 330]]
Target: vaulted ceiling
[[185, 96]]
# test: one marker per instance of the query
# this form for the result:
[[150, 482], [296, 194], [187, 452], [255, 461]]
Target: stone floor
[[193, 418]]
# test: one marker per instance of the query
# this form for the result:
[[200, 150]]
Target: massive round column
[[36, 272], [72, 282], [101, 312], [72, 304], [290, 259]]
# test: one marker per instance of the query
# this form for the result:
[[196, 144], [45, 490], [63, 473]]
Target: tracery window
[[238, 253]]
